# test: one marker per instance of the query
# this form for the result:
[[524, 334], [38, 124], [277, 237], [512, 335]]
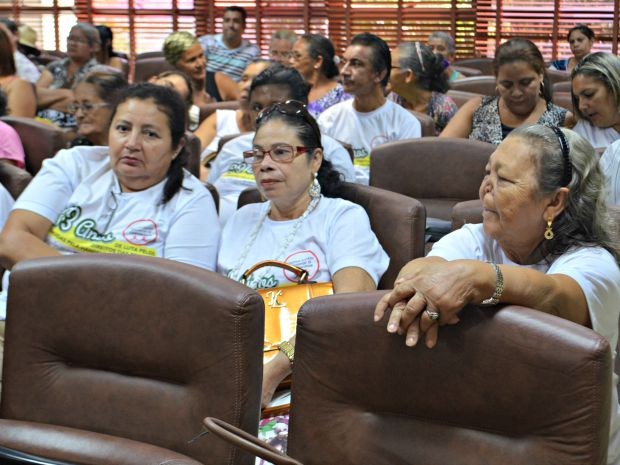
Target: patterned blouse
[[334, 96], [487, 126], [441, 108]]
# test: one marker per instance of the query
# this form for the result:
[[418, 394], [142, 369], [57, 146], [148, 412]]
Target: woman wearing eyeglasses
[[302, 222], [54, 93], [94, 100]]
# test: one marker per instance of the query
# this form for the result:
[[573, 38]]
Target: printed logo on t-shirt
[[361, 157], [140, 232], [305, 259], [240, 170]]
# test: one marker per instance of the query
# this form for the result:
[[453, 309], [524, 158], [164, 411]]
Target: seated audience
[[443, 43], [11, 148], [95, 97], [281, 46], [25, 68], [315, 59], [228, 122], [106, 55], [20, 97], [229, 52], [596, 98], [54, 93], [418, 78], [544, 243], [177, 81], [610, 165], [524, 97], [303, 223], [581, 39], [182, 50], [369, 119], [230, 175]]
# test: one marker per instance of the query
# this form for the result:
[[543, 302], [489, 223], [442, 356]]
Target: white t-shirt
[[6, 204], [231, 176], [365, 131], [598, 137], [593, 268], [226, 125], [610, 164], [78, 192], [335, 235]]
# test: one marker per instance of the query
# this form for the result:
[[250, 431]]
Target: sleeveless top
[[487, 126], [211, 86]]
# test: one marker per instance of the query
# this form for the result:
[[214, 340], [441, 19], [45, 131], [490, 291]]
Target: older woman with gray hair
[[443, 43], [544, 243], [54, 93]]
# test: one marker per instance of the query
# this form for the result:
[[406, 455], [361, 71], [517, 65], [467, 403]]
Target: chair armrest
[[469, 211], [247, 442]]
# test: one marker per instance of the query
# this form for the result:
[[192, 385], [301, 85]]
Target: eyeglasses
[[85, 107], [77, 40], [281, 153], [291, 108]]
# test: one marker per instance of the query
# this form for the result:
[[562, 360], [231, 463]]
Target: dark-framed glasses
[[281, 153], [85, 107]]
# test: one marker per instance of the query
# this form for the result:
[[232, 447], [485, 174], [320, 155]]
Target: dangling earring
[[315, 188], [549, 232]]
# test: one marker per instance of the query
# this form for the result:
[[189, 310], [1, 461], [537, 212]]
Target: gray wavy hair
[[446, 39], [585, 220], [91, 33]]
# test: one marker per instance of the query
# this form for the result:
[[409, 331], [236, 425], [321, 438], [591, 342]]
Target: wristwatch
[[287, 349]]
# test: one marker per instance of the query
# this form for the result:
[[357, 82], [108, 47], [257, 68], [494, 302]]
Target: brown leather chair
[[145, 68], [14, 179], [467, 71], [193, 148], [556, 76], [153, 54], [512, 386], [564, 100], [115, 359], [461, 97], [439, 172], [40, 140], [427, 125], [485, 65], [484, 85], [562, 86], [397, 221]]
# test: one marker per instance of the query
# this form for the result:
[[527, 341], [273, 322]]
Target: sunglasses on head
[[291, 108]]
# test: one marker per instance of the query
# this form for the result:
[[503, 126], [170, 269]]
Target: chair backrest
[[467, 71], [562, 86], [426, 122], [135, 347], [439, 172], [40, 140], [215, 194], [398, 222], [153, 54], [485, 65], [484, 85], [193, 159], [557, 76], [510, 386], [564, 100], [461, 97], [145, 68], [14, 179]]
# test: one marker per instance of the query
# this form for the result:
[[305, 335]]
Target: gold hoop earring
[[549, 232]]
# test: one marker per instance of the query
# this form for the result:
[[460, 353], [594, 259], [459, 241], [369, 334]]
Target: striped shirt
[[226, 60]]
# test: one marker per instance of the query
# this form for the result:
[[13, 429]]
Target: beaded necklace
[[236, 275]]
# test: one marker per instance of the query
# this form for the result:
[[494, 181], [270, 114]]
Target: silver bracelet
[[499, 287]]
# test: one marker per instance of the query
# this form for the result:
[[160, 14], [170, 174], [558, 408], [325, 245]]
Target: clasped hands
[[426, 286]]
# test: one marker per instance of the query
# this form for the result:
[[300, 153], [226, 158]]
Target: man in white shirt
[[228, 52], [230, 174], [369, 120]]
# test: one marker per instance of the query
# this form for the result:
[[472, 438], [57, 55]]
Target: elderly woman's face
[[518, 85], [193, 63], [92, 113], [283, 182], [595, 101], [301, 59], [513, 210], [140, 145], [78, 47]]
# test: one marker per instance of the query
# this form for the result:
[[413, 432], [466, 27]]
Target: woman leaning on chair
[[20, 95], [302, 223], [544, 243], [524, 97]]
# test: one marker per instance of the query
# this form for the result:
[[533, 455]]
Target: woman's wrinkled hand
[[425, 287], [274, 372]]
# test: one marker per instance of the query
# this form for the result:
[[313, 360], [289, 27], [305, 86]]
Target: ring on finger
[[432, 314]]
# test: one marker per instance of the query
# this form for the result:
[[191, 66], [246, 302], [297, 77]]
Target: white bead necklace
[[235, 272]]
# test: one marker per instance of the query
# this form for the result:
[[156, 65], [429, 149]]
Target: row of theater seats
[[115, 374]]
